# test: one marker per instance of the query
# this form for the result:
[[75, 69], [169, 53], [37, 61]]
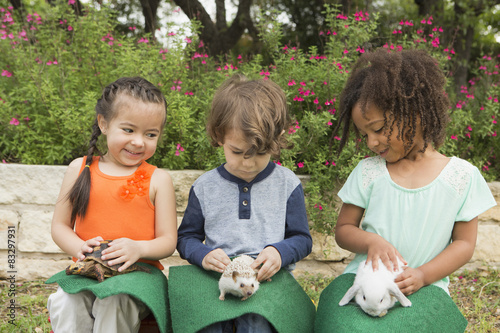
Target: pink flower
[[454, 137], [71, 2], [14, 122], [70, 28], [6, 73], [300, 164], [291, 83]]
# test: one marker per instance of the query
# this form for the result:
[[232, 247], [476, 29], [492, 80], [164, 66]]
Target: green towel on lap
[[194, 300], [150, 288], [432, 310]]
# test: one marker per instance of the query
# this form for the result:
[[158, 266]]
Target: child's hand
[[216, 260], [88, 246], [381, 249], [270, 259], [122, 250], [410, 281]]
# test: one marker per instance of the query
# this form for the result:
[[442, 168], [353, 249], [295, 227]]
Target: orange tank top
[[119, 206]]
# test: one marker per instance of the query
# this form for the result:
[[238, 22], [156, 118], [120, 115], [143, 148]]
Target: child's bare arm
[[457, 254], [350, 237], [61, 228]]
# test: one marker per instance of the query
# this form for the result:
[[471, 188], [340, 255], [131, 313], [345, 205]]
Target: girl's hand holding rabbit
[[379, 248], [410, 281]]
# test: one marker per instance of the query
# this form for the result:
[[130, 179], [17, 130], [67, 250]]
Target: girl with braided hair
[[409, 202], [117, 196]]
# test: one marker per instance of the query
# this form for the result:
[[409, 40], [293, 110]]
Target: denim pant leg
[[253, 323], [220, 327]]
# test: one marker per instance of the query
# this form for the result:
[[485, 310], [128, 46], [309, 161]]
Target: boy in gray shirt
[[249, 205]]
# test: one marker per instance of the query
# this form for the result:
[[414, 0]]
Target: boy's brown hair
[[256, 107]]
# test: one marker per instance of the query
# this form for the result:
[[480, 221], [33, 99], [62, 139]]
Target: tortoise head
[[75, 268]]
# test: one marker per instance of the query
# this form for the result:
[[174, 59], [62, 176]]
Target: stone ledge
[[29, 193]]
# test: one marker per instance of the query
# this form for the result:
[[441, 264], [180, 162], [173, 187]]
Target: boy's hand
[[122, 251], [270, 259], [410, 281], [88, 246], [216, 260]]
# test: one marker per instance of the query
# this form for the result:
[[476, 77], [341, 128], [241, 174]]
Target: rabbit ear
[[349, 295], [394, 290]]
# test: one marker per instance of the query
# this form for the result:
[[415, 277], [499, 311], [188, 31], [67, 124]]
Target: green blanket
[[194, 299], [432, 310], [150, 288]]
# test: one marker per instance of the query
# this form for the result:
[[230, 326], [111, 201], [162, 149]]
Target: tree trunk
[[149, 10], [218, 37]]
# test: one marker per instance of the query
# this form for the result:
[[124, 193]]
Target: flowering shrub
[[55, 64]]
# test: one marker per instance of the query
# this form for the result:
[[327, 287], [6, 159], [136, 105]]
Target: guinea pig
[[375, 291], [239, 279]]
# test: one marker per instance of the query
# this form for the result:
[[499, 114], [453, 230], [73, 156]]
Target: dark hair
[[136, 87], [256, 107], [408, 86]]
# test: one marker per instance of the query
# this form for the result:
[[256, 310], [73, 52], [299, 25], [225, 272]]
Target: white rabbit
[[375, 292]]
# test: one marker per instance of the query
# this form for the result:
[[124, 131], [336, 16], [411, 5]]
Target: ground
[[475, 291]]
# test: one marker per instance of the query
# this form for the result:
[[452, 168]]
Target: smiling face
[[245, 167], [380, 138], [132, 134]]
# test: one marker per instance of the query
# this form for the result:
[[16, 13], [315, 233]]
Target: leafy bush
[[55, 64]]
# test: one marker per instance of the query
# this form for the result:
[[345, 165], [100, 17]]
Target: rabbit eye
[[381, 300], [364, 298], [242, 285], [252, 285]]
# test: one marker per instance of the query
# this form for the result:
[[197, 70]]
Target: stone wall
[[28, 194]]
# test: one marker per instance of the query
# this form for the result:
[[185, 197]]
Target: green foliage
[[55, 65]]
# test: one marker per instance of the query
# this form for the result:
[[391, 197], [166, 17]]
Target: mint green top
[[418, 222]]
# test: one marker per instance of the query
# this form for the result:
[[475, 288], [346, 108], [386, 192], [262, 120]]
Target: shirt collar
[[261, 176]]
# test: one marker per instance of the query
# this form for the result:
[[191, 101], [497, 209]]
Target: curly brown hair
[[408, 86], [256, 107]]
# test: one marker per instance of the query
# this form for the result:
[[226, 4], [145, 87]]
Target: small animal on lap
[[94, 267], [375, 291], [239, 279]]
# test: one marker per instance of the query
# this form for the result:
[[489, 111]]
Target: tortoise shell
[[96, 255], [94, 267]]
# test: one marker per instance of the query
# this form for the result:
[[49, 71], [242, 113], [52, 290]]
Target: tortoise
[[94, 267]]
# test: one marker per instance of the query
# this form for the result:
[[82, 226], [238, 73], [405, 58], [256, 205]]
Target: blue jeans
[[248, 323]]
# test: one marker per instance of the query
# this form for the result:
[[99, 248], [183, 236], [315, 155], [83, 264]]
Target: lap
[[432, 310], [195, 291]]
